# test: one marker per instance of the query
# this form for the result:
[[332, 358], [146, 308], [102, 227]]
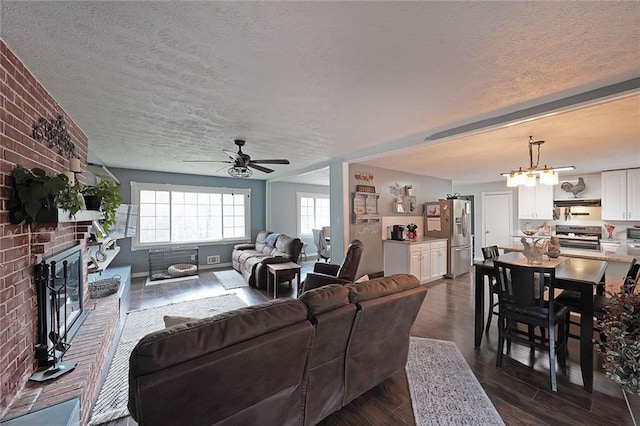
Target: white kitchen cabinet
[[427, 260], [621, 195], [535, 202], [438, 259]]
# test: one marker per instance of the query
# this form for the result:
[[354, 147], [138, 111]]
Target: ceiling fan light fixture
[[240, 172]]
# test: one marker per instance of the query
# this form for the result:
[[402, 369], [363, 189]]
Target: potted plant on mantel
[[109, 200], [36, 196], [621, 326]]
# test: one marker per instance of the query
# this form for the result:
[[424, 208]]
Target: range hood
[[577, 202]]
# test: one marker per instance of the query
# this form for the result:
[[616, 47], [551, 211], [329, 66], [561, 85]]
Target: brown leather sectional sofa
[[284, 362], [251, 259]]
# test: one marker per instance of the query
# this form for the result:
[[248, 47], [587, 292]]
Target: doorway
[[497, 218]]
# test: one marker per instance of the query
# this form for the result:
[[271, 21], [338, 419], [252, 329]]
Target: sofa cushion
[[379, 287], [326, 298]]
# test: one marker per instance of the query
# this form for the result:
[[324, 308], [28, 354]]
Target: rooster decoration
[[574, 189]]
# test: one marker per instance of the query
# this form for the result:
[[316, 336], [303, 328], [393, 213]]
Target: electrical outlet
[[213, 259]]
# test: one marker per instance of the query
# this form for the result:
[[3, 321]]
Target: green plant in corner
[[111, 200], [33, 190], [621, 326]]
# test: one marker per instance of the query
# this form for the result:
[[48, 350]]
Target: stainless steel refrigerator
[[451, 219]]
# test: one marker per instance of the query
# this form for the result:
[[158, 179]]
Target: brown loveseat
[[285, 362], [251, 259]]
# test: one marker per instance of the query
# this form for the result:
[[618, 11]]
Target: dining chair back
[[491, 252], [522, 300], [601, 302], [322, 248]]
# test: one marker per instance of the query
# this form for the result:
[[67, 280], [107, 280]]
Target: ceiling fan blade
[[233, 155], [207, 161], [262, 169], [281, 161]]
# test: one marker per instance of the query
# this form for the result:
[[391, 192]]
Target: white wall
[[283, 208], [424, 188]]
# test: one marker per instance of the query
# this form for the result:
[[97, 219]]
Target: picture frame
[[433, 211]]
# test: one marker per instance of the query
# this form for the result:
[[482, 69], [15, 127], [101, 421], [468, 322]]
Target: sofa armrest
[[314, 280], [275, 259], [326, 268], [245, 246]]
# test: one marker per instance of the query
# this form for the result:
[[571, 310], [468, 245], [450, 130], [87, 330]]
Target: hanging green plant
[[33, 191], [110, 200], [70, 199]]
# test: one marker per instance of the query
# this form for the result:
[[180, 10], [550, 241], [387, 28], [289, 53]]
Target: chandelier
[[241, 172], [527, 177]]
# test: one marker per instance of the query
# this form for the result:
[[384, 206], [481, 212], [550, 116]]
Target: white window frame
[[299, 195], [136, 187]]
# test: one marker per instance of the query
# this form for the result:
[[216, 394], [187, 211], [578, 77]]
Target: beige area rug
[[171, 280], [113, 397], [444, 390], [230, 279]]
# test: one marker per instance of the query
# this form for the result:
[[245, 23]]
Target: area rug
[[443, 389], [230, 279], [113, 397], [171, 280]]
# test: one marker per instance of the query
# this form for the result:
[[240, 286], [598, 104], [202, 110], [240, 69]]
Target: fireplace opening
[[59, 287]]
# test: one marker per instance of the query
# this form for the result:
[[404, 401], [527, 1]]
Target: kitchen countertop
[[623, 253], [417, 240]]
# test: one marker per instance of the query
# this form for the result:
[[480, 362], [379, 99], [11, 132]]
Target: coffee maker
[[397, 232]]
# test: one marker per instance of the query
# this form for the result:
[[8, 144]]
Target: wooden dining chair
[[571, 299], [522, 301], [491, 252]]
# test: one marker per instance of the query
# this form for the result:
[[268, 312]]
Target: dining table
[[576, 274]]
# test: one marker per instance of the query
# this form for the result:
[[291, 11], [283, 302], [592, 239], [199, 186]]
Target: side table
[[275, 269]]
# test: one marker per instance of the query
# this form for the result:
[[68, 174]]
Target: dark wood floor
[[520, 391]]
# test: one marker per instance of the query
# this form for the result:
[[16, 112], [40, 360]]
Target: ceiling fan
[[242, 163]]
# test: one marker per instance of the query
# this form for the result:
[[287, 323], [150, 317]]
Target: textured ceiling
[[156, 83]]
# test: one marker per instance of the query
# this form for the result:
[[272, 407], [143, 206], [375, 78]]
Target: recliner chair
[[329, 273]]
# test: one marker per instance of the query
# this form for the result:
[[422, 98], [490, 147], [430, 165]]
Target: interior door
[[497, 218]]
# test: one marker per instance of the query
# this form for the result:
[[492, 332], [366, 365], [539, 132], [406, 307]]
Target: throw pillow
[[362, 278], [271, 239], [171, 321]]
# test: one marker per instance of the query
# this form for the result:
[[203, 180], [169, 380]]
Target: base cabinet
[[427, 260]]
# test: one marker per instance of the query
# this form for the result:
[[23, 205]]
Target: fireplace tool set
[[52, 332]]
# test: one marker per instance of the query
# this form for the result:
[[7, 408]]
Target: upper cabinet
[[621, 195], [535, 202]]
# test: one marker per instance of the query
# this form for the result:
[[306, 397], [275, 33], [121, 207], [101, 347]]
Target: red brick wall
[[23, 102]]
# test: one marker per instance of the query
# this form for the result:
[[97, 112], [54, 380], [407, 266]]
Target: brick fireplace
[[23, 102]]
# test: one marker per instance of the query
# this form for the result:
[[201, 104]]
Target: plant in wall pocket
[[103, 196], [36, 196]]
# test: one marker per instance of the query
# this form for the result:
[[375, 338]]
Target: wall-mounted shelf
[[102, 172], [365, 207], [111, 254], [405, 204]]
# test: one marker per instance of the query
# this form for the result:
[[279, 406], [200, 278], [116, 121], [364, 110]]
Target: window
[[313, 212], [172, 214]]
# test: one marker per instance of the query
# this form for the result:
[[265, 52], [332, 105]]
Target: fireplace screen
[[59, 292]]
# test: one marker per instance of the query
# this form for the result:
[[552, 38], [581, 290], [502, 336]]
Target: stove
[[579, 237]]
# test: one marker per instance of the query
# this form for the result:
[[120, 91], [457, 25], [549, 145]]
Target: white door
[[497, 218]]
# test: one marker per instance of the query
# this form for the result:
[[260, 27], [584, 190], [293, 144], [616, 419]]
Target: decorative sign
[[366, 188], [55, 132]]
